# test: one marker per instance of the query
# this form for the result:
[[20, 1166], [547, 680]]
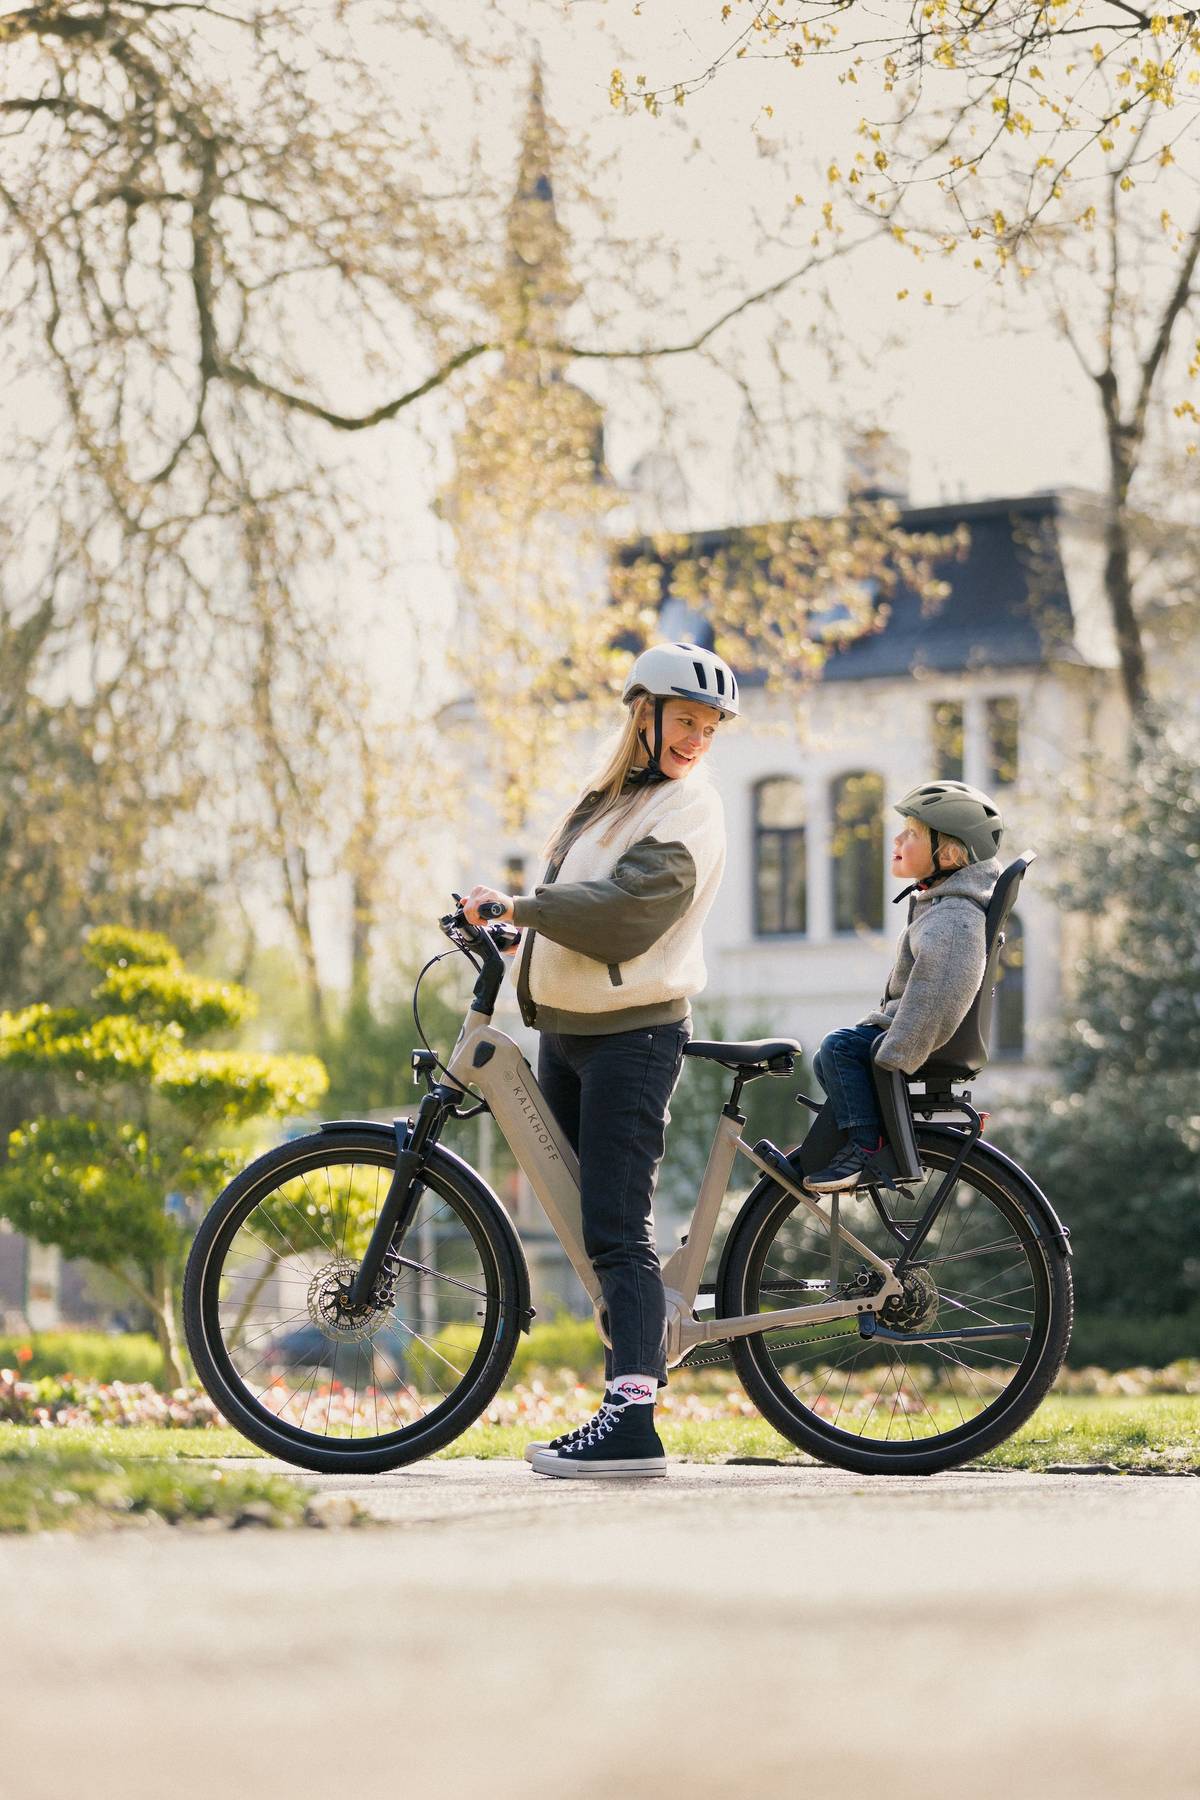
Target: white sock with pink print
[[633, 1390]]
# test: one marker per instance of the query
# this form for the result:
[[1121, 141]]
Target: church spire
[[538, 264]]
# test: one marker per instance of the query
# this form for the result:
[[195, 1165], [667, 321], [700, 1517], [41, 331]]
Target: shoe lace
[[596, 1429], [589, 1425]]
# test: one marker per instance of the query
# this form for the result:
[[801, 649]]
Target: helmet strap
[[934, 876], [653, 768]]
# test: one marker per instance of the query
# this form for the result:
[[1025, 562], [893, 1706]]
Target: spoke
[[406, 1262], [955, 1297], [428, 1346], [308, 1224], [968, 1372], [274, 1256], [313, 1388], [279, 1261], [242, 1373], [386, 1395], [268, 1331], [979, 1250], [402, 1383]]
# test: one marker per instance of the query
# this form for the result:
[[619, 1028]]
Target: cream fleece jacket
[[615, 929]]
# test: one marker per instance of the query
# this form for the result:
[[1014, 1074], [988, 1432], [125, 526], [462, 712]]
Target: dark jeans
[[843, 1067], [609, 1095]]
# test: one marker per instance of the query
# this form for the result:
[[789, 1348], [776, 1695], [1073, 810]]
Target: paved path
[[739, 1630]]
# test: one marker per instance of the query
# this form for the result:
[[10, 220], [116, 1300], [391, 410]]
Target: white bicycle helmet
[[684, 672], [677, 672]]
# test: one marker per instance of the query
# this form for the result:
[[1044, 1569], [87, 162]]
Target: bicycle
[[904, 1329]]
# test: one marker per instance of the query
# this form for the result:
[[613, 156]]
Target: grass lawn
[[67, 1480], [1160, 1431], [114, 1472]]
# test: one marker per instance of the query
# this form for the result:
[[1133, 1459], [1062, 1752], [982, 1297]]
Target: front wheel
[[883, 1407], [276, 1349]]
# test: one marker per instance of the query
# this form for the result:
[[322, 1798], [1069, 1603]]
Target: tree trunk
[[162, 1303], [1118, 587]]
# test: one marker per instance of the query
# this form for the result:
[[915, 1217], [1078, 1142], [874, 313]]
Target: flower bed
[[70, 1400], [547, 1401]]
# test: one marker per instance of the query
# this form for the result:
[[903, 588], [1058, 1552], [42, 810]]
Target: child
[[948, 850]]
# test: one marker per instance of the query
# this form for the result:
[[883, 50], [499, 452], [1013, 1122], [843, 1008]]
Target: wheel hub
[[916, 1307], [329, 1305]]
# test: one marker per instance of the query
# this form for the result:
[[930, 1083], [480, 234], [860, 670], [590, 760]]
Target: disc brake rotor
[[329, 1312]]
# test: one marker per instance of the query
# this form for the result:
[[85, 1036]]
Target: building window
[[780, 872], [682, 623], [857, 846], [946, 729], [514, 874], [1008, 1016], [1003, 716]]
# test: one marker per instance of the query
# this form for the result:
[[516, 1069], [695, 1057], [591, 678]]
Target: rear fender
[[485, 1198], [1045, 1221]]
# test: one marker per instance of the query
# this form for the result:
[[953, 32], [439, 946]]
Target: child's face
[[912, 857]]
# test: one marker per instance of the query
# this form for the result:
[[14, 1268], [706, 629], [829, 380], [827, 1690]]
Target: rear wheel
[[271, 1338], [882, 1407]]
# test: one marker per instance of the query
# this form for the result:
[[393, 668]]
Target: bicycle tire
[[495, 1297], [757, 1229]]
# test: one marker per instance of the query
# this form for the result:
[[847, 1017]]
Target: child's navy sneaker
[[852, 1164], [620, 1440]]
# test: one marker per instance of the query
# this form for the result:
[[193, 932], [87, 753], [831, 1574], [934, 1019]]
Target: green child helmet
[[952, 809]]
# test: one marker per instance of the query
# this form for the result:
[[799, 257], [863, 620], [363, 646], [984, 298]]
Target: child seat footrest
[[899, 1132]]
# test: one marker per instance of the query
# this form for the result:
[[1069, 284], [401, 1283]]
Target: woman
[[612, 956]]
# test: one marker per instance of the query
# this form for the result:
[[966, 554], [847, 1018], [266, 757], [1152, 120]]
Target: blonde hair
[[952, 853], [606, 786]]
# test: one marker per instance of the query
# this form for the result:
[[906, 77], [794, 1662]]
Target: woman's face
[[688, 731]]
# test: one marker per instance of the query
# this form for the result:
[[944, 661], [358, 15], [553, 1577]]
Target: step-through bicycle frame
[[487, 1067], [489, 1060], [485, 1061]]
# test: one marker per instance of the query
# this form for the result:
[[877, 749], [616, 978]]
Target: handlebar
[[482, 944]]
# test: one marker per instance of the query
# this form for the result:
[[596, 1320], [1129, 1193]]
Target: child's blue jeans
[[843, 1068]]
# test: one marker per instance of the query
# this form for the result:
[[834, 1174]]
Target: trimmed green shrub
[[562, 1342], [1116, 1342], [93, 1355]]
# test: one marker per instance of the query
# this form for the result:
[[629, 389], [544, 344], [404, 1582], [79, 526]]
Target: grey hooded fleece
[[939, 965]]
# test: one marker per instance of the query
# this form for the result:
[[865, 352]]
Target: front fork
[[413, 1143]]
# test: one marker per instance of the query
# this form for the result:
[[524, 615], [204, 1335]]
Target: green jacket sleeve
[[621, 916]]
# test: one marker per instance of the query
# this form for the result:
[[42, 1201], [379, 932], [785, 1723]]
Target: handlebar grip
[[492, 909]]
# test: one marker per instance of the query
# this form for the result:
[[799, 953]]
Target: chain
[[701, 1355]]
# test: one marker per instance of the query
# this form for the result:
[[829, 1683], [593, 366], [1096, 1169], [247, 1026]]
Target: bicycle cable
[[429, 1049]]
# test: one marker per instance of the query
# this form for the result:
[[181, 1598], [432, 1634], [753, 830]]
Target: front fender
[[486, 1199]]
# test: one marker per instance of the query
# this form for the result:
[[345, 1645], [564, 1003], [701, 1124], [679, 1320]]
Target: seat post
[[733, 1106]]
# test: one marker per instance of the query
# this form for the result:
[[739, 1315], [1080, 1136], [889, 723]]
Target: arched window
[[1008, 1015], [856, 807], [780, 873]]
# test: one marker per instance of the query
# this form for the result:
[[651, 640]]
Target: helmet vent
[[702, 675], [720, 680]]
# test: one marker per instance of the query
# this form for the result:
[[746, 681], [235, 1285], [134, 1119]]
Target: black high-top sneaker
[[565, 1437], [620, 1440]]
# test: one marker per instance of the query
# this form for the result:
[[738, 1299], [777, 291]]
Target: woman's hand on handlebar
[[486, 896]]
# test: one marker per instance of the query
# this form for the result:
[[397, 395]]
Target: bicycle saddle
[[752, 1054]]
